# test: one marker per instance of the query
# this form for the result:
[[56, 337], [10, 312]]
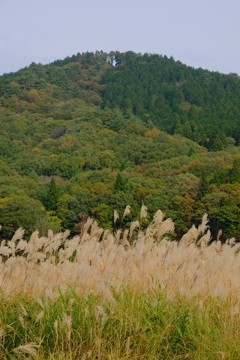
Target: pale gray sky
[[200, 33]]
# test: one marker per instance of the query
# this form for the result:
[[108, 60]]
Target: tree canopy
[[92, 133]]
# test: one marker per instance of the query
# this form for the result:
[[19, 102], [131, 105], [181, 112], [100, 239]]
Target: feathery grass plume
[[5, 250], [34, 237], [193, 234], [115, 216], [204, 240], [18, 234], [157, 228], [67, 323], [87, 225], [56, 326], [127, 211], [66, 234], [21, 245], [11, 244], [67, 320], [216, 245], [109, 260], [3, 242], [64, 255], [166, 227], [204, 225], [143, 212], [231, 242], [125, 236], [100, 313], [24, 310], [158, 217], [107, 234], [117, 235], [190, 236], [22, 322], [96, 231], [50, 235], [40, 302], [55, 242], [30, 348], [72, 243], [37, 257], [134, 224], [40, 316]]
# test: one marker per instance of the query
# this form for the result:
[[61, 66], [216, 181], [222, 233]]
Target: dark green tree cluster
[[195, 103]]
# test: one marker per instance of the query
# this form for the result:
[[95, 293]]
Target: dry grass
[[97, 260], [125, 295]]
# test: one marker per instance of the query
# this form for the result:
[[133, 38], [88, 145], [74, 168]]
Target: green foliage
[[133, 325], [22, 211], [203, 185], [235, 171], [195, 103], [52, 196], [109, 129], [120, 183], [67, 211], [184, 209], [104, 216]]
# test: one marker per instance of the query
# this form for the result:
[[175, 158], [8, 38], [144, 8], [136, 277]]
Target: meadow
[[126, 294]]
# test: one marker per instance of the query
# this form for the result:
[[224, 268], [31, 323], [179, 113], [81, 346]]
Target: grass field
[[132, 325], [125, 295]]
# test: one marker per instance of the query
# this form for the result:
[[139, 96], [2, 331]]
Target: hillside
[[96, 132], [198, 104]]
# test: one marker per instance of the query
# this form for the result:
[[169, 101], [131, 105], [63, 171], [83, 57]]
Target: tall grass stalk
[[133, 325], [130, 294], [97, 260]]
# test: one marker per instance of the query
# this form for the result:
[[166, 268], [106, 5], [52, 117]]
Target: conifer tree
[[52, 196], [203, 185], [119, 183]]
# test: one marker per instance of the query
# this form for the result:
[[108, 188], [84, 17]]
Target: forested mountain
[[96, 132], [198, 104]]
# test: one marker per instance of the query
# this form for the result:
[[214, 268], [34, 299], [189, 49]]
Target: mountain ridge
[[195, 103]]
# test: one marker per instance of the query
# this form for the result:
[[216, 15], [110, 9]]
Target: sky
[[199, 33]]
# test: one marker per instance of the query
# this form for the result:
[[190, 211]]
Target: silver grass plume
[[67, 323], [18, 234], [66, 235], [143, 212], [158, 217], [34, 237], [30, 349], [193, 233], [133, 226], [127, 211], [203, 226], [115, 216], [204, 240], [21, 245]]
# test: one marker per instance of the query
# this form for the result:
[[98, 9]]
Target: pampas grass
[[97, 260], [30, 349], [127, 294]]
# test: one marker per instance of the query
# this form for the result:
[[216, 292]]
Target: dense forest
[[95, 132]]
